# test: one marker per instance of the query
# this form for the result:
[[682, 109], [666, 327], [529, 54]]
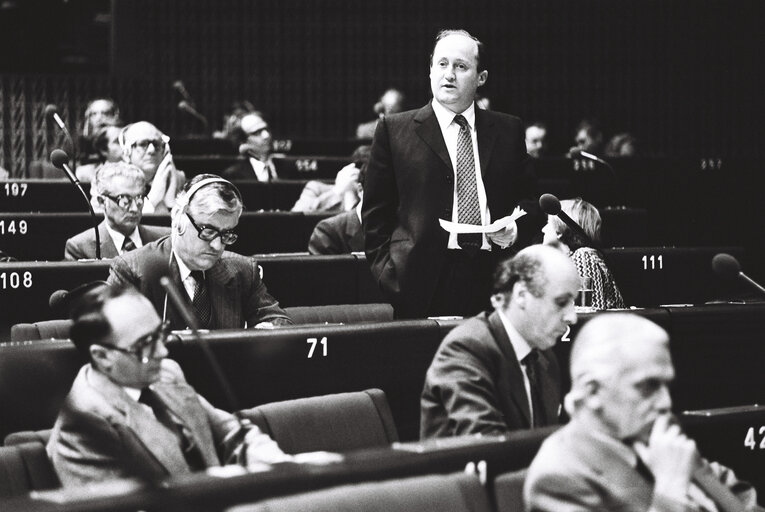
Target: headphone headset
[[183, 202]]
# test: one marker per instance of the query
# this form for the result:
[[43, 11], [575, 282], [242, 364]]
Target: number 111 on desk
[[653, 262]]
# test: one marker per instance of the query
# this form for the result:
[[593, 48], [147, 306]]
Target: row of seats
[[305, 167], [717, 352], [196, 146], [647, 276], [42, 236]]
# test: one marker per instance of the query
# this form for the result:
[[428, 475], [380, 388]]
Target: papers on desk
[[497, 225]]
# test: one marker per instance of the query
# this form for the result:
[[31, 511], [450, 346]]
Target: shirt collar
[[184, 270], [133, 393], [119, 239], [358, 208], [446, 116], [520, 345]]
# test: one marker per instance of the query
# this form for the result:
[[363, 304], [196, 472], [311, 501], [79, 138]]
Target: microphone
[[186, 106], [59, 159], [191, 320], [594, 158], [178, 86], [57, 299], [551, 206], [51, 112], [728, 267]]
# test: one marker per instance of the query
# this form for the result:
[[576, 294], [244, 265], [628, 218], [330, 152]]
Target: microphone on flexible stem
[[727, 266], [551, 206], [185, 106], [59, 159], [51, 112], [594, 158], [191, 320], [178, 86]]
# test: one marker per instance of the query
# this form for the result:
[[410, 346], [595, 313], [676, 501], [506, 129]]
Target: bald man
[[496, 373], [622, 450]]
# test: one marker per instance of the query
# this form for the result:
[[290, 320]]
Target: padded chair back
[[341, 313], [25, 467], [28, 436], [44, 330], [341, 422], [508, 490], [433, 493]]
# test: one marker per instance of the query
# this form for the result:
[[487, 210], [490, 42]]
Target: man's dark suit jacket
[[410, 185], [233, 283], [339, 234], [241, 170], [83, 245], [475, 383]]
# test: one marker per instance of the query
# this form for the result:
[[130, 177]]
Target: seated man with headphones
[[224, 288], [144, 146]]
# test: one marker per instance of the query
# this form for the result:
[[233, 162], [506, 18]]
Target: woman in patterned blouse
[[588, 260]]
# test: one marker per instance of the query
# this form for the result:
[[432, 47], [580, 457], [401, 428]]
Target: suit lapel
[[158, 441], [183, 404], [517, 384], [353, 233], [224, 294], [429, 131], [108, 249], [487, 135]]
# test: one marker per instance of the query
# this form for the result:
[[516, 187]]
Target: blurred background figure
[[107, 149], [482, 102], [588, 260], [390, 102], [144, 146], [255, 143], [342, 233], [589, 138], [622, 144], [99, 113], [537, 144], [232, 121], [341, 196]]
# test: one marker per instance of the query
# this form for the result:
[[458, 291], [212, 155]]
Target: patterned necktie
[[127, 245], [468, 207], [201, 300], [531, 362]]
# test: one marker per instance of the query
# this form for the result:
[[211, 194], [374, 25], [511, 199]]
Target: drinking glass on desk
[[584, 297]]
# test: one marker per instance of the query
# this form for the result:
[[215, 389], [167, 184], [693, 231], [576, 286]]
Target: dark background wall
[[684, 75]]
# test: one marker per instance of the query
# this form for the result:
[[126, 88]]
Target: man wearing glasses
[[224, 288], [119, 191], [130, 412], [144, 146]]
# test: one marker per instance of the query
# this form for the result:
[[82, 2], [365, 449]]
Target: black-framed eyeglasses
[[145, 347], [125, 200], [209, 233], [143, 145]]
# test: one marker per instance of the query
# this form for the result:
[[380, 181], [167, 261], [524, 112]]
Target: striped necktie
[[468, 207]]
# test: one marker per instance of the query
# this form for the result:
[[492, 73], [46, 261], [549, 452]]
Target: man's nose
[[570, 315], [663, 400], [160, 350], [217, 244]]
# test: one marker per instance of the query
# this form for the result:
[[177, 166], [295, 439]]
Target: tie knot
[[198, 276], [460, 120], [531, 358]]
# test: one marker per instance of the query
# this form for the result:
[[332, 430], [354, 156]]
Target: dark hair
[[90, 325], [481, 57], [525, 267], [360, 155]]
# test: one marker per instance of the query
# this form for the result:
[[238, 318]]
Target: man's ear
[[482, 76], [519, 294], [592, 398], [100, 356]]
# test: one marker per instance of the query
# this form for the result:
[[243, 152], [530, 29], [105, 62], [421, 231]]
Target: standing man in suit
[[224, 288], [130, 412], [447, 160], [622, 450], [256, 147], [496, 373], [119, 190]]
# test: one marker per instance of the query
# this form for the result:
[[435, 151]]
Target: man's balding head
[[536, 289]]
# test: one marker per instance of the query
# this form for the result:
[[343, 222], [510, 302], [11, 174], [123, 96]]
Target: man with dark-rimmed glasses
[[130, 412], [223, 288], [119, 192]]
